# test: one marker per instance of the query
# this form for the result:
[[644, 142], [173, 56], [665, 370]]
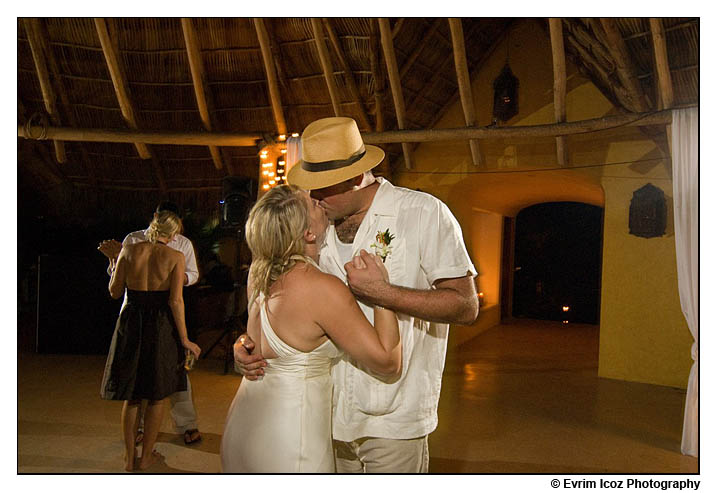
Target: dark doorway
[[558, 262]]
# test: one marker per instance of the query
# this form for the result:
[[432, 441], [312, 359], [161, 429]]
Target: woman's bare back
[[150, 266]]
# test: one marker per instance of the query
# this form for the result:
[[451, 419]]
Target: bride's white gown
[[283, 422]]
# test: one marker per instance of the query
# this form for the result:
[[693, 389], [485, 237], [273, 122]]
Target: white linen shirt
[[428, 246], [179, 243]]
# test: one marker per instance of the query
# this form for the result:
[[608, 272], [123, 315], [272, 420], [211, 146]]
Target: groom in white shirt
[[382, 426]]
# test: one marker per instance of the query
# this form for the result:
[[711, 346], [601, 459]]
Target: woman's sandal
[[192, 436]]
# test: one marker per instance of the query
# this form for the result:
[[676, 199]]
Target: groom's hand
[[251, 366], [368, 281]]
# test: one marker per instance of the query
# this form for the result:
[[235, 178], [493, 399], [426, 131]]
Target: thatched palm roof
[[137, 73]]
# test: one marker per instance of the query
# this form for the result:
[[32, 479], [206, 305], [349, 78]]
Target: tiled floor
[[521, 398]]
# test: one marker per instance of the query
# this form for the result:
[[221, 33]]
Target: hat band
[[335, 164]]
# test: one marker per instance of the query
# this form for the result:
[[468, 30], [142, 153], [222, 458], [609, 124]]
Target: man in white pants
[[182, 408], [382, 426]]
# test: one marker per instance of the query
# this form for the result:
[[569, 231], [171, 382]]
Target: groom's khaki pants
[[382, 455]]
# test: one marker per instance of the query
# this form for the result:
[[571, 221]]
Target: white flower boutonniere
[[381, 245]]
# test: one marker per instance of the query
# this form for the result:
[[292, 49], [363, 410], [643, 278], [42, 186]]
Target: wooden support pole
[[662, 67], [351, 83], [387, 137], [198, 77], [624, 67], [326, 64], [119, 83], [462, 77], [32, 29], [395, 82], [274, 96], [559, 85]]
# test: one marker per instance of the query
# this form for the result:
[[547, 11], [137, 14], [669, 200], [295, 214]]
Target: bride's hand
[[194, 348]]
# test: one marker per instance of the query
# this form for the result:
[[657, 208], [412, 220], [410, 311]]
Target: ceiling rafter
[[326, 63], [269, 69], [462, 77], [119, 81], [559, 85], [348, 73], [624, 66], [198, 81], [662, 68], [32, 29], [420, 47], [395, 82], [65, 100]]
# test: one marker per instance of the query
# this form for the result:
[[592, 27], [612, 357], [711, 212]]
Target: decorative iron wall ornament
[[506, 94], [647, 214]]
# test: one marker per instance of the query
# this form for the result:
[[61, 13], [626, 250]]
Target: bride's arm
[[379, 346]]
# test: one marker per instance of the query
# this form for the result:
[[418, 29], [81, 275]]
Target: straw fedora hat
[[332, 152]]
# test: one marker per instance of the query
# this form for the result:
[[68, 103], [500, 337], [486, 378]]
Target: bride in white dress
[[300, 319]]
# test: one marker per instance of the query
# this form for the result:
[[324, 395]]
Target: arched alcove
[[557, 262]]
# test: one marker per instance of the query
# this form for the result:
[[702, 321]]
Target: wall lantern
[[506, 95], [647, 214]]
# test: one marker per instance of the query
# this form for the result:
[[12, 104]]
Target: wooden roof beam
[[624, 67], [32, 29], [661, 55], [55, 72], [387, 137], [269, 69], [326, 64], [559, 85], [384, 168], [198, 81], [489, 52], [397, 27], [462, 77], [119, 82], [395, 82], [351, 83]]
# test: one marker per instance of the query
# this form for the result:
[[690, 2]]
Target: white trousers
[[382, 455]]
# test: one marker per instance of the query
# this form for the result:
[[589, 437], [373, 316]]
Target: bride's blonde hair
[[164, 224], [275, 235]]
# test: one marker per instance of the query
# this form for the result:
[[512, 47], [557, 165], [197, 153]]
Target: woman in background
[[147, 352]]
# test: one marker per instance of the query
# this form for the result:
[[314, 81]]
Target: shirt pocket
[[395, 262], [373, 396]]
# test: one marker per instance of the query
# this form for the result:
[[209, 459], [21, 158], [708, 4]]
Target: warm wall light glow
[[295, 134], [565, 308], [280, 170], [283, 151], [282, 137], [281, 163], [565, 321], [272, 182], [270, 173], [267, 165], [265, 186]]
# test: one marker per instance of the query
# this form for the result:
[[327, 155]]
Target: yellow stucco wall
[[643, 335]]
